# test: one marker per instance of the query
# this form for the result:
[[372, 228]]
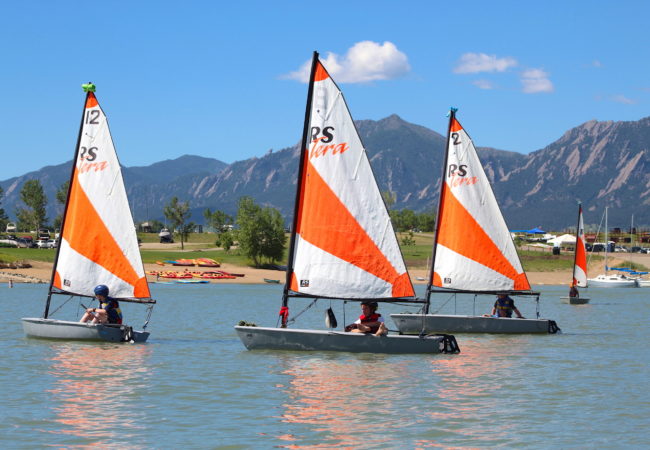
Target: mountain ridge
[[598, 162]]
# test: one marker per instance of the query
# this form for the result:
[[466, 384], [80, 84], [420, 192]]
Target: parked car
[[46, 243], [25, 243], [635, 249]]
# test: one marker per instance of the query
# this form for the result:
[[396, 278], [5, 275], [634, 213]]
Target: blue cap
[[101, 289]]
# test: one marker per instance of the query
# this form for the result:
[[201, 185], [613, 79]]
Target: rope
[[61, 306], [292, 320], [149, 312]]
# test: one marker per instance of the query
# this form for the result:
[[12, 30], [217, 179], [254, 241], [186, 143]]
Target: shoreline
[[40, 272]]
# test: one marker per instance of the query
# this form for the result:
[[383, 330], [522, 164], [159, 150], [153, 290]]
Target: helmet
[[101, 289]]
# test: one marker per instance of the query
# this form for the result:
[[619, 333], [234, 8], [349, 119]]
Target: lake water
[[194, 384]]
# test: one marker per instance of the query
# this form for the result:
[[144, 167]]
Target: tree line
[[258, 231]]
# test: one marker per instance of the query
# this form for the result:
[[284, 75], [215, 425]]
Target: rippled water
[[194, 384]]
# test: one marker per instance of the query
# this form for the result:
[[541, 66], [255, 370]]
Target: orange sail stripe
[[91, 102], [455, 125], [472, 242], [86, 233], [321, 74], [57, 281], [326, 223], [581, 256]]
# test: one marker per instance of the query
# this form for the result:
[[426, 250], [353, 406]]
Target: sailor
[[504, 306], [109, 309], [573, 291], [369, 321]]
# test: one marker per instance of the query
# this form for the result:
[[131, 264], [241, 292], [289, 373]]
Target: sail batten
[[98, 241], [343, 244], [473, 249]]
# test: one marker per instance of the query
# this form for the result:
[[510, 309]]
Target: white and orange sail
[[344, 245], [98, 242], [580, 262], [473, 249]]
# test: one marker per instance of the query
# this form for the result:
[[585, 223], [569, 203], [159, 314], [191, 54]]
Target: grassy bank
[[201, 245]]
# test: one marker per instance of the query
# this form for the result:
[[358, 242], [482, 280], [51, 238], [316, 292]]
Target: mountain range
[[601, 164]]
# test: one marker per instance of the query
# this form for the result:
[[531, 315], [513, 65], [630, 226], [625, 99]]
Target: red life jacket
[[371, 318]]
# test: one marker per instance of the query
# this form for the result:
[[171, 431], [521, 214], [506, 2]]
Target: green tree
[[426, 221], [225, 240], [185, 230], [408, 239], [217, 220], [61, 198], [33, 197], [3, 216], [177, 213], [261, 232]]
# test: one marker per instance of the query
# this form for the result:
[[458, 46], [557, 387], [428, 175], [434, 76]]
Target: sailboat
[[98, 239], [342, 241], [473, 252], [579, 278], [611, 279]]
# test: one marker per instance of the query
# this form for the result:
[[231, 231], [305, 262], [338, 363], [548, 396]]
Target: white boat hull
[[263, 338], [575, 300], [437, 323], [612, 281], [66, 330]]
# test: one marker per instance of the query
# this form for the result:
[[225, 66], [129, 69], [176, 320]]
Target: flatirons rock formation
[[599, 163]]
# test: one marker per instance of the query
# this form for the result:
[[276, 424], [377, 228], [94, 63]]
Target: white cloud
[[596, 63], [536, 81], [483, 84], [480, 62], [364, 62], [623, 99]]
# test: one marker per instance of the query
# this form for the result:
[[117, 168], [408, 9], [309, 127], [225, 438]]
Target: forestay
[[345, 245], [473, 250], [99, 244]]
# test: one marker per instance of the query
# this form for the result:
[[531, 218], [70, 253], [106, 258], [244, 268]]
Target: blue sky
[[223, 80]]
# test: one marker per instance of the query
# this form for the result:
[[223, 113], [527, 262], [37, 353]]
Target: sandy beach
[[40, 272]]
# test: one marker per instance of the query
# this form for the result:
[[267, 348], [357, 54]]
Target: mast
[[606, 242], [88, 89], [452, 116], [303, 154]]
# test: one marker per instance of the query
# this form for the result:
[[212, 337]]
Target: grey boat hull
[[438, 323], [66, 330], [262, 338], [575, 300]]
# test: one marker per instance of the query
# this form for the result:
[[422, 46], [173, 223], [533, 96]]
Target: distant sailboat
[[473, 252], [608, 280], [343, 245], [98, 240], [579, 278]]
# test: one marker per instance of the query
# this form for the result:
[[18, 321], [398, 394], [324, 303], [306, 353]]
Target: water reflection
[[97, 394], [344, 402]]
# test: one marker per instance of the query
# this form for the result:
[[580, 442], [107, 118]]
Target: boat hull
[[66, 330], [437, 323], [643, 283], [612, 281], [575, 300], [262, 338]]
